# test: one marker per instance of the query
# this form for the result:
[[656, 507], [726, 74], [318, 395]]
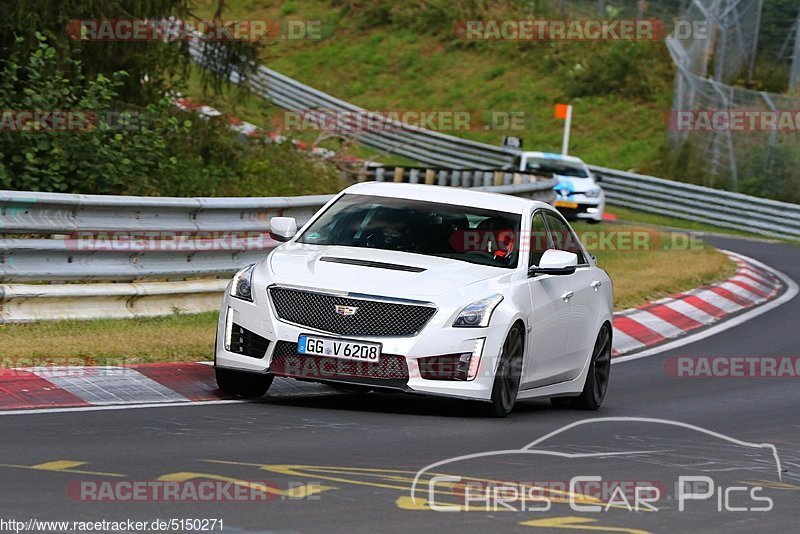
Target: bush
[[104, 154], [639, 70], [771, 173], [155, 150]]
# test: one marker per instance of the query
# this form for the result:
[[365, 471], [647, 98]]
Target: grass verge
[[394, 67], [645, 264]]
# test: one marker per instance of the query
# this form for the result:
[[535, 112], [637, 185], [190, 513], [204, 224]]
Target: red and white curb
[[658, 322], [48, 389], [146, 384]]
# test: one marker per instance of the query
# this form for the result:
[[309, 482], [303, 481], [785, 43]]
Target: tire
[[594, 390], [243, 385], [508, 375]]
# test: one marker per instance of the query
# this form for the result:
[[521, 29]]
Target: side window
[[563, 237], [539, 240]]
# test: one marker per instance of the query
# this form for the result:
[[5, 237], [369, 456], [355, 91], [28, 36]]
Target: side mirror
[[282, 228], [555, 262], [597, 177]]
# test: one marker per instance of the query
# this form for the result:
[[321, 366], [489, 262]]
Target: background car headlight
[[242, 286], [479, 313], [593, 193]]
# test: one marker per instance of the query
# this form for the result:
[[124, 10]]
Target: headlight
[[593, 193], [479, 313], [242, 286]]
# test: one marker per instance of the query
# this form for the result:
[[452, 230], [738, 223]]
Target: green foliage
[[638, 70], [212, 162], [104, 154], [154, 67], [150, 150], [425, 17], [771, 173]]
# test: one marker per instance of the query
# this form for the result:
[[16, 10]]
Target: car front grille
[[370, 317], [390, 369]]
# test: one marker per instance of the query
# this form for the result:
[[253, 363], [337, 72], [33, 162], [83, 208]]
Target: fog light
[[228, 329], [592, 210]]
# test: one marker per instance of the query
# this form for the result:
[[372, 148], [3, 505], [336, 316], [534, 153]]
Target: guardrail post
[[379, 174], [430, 176], [399, 173], [517, 178], [487, 178], [442, 177], [499, 178], [413, 176], [456, 179]]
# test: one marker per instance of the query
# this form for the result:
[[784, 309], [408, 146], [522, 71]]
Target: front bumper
[[404, 358], [581, 207]]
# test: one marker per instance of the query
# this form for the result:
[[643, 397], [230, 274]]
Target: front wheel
[[594, 390], [508, 375], [244, 385]]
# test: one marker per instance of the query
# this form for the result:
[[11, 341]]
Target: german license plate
[[339, 348], [565, 204]]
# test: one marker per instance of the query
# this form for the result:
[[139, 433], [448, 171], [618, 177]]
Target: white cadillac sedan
[[423, 289]]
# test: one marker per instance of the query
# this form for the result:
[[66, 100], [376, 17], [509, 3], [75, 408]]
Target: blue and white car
[[578, 194]]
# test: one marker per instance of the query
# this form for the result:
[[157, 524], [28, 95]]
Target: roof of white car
[[552, 155], [447, 195]]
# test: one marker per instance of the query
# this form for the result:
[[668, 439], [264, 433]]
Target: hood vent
[[375, 264]]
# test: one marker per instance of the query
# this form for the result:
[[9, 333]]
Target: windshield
[[555, 166], [467, 234]]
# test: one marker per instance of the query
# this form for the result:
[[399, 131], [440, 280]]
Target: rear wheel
[[594, 390], [244, 385], [508, 375]]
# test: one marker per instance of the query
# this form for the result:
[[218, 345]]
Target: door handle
[[568, 295], [596, 285]]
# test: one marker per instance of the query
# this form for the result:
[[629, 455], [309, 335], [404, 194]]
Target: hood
[[392, 273], [570, 184]]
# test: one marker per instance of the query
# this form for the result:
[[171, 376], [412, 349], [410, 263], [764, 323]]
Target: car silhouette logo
[[346, 311]]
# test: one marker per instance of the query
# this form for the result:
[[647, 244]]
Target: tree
[[153, 66]]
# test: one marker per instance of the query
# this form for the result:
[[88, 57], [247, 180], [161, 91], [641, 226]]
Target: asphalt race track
[[346, 462]]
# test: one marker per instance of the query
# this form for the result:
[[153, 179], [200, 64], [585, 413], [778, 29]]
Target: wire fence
[[750, 144], [794, 73]]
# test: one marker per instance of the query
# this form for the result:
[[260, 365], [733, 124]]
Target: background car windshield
[[473, 235], [556, 167]]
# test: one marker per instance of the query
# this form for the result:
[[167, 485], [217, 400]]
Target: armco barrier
[[418, 144], [181, 242], [701, 204], [646, 193]]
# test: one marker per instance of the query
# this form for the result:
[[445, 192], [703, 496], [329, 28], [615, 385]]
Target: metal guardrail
[[701, 204], [646, 193], [418, 144], [98, 237], [137, 240], [69, 258]]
